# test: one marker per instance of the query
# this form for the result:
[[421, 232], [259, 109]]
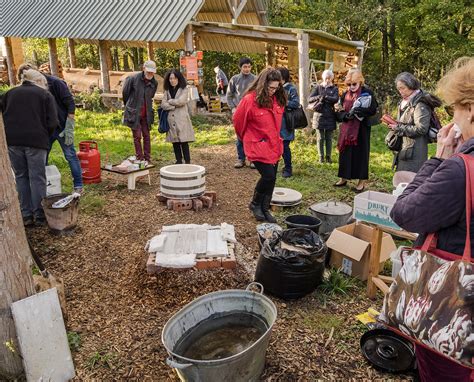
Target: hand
[[392, 126], [68, 132], [447, 142]]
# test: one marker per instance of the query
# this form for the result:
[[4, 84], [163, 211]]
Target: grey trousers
[[29, 167], [324, 141]]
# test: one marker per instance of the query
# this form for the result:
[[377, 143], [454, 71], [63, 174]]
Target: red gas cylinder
[[89, 157]]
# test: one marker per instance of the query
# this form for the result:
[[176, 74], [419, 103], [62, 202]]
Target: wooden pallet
[[207, 262], [214, 105]]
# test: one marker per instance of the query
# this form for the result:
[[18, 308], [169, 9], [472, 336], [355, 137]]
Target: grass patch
[[101, 359], [336, 282], [322, 322], [74, 340]]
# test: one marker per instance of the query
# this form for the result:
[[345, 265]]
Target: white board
[[42, 337]]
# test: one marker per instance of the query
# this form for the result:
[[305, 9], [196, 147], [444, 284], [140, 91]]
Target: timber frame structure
[[212, 25]]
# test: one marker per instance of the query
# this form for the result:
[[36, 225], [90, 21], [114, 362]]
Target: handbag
[[393, 141], [163, 126], [431, 300], [316, 106], [295, 118]]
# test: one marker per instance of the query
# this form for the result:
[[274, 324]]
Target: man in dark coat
[[138, 92], [64, 132], [30, 117]]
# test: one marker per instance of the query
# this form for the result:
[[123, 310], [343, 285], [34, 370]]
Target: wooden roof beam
[[236, 7]]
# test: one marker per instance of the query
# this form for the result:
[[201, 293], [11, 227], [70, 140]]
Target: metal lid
[[331, 207], [387, 351]]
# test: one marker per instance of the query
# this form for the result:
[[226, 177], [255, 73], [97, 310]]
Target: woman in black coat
[[357, 104], [323, 97]]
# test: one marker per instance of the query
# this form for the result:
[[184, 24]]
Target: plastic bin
[[303, 221], [53, 180], [60, 219]]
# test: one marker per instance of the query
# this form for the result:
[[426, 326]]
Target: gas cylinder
[[89, 157]]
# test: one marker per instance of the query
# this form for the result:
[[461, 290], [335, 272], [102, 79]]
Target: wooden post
[[361, 57], [150, 52], [303, 68], [188, 38], [374, 261], [53, 57], [269, 54], [71, 48], [104, 65], [16, 281], [10, 62]]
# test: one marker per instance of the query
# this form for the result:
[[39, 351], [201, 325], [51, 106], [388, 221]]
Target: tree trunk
[[126, 65], [115, 58], [16, 281], [136, 64], [141, 53], [385, 57]]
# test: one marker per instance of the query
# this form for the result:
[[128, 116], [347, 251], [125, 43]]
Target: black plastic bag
[[291, 263], [295, 118]]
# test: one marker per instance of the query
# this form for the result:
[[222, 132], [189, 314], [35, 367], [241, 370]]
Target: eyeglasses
[[274, 88], [449, 110], [353, 84]]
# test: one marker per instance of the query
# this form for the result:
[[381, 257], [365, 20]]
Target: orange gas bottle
[[89, 157]]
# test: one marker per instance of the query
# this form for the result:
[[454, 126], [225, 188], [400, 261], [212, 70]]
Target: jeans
[[240, 149], [144, 131], [268, 174], [71, 157], [287, 155], [324, 139], [30, 174], [181, 149]]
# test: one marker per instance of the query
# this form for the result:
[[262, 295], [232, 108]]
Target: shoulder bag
[[393, 141], [295, 118], [431, 300], [163, 126]]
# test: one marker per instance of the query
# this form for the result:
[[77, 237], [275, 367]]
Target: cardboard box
[[374, 207], [350, 249]]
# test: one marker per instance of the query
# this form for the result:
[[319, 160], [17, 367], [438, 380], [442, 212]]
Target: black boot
[[256, 206], [266, 209]]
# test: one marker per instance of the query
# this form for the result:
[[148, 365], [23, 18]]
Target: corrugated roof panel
[[124, 20]]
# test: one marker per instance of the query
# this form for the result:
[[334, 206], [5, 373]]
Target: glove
[[68, 132]]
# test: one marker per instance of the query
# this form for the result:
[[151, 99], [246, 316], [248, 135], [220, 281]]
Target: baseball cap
[[149, 66]]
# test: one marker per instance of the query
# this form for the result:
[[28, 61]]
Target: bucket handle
[[331, 200], [176, 365], [256, 285]]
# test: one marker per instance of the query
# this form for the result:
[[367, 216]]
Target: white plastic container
[[53, 180]]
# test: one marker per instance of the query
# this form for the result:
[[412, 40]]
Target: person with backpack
[[413, 122]]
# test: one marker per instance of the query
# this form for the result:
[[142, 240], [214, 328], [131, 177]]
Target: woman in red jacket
[[257, 123]]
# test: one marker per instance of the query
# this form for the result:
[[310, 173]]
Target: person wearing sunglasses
[[435, 202], [257, 122], [356, 104], [413, 122]]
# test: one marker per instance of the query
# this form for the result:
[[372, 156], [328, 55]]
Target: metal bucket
[[332, 215], [60, 219], [247, 365]]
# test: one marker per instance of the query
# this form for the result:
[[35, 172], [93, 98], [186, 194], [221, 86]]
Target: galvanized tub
[[332, 214], [247, 365]]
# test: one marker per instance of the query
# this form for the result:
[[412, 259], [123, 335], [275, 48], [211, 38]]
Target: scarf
[[349, 129], [406, 100], [173, 91]]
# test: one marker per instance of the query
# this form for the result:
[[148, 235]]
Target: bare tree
[[16, 281]]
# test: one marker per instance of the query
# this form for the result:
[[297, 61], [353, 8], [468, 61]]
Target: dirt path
[[119, 311]]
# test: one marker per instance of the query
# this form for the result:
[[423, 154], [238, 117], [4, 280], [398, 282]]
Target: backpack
[[435, 125]]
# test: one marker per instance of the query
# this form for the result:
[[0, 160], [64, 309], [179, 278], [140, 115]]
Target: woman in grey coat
[[175, 100], [413, 123]]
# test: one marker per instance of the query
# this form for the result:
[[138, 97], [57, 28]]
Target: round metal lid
[[286, 196], [387, 351], [331, 207]]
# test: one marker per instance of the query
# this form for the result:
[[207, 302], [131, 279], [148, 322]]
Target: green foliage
[[4, 89], [101, 359], [336, 282], [35, 270], [74, 340]]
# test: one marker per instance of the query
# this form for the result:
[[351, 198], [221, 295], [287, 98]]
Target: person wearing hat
[[138, 92]]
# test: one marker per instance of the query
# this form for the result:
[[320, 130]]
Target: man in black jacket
[[30, 117], [138, 92], [64, 132]]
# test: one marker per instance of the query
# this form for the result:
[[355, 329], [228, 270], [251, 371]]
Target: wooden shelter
[[215, 25]]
